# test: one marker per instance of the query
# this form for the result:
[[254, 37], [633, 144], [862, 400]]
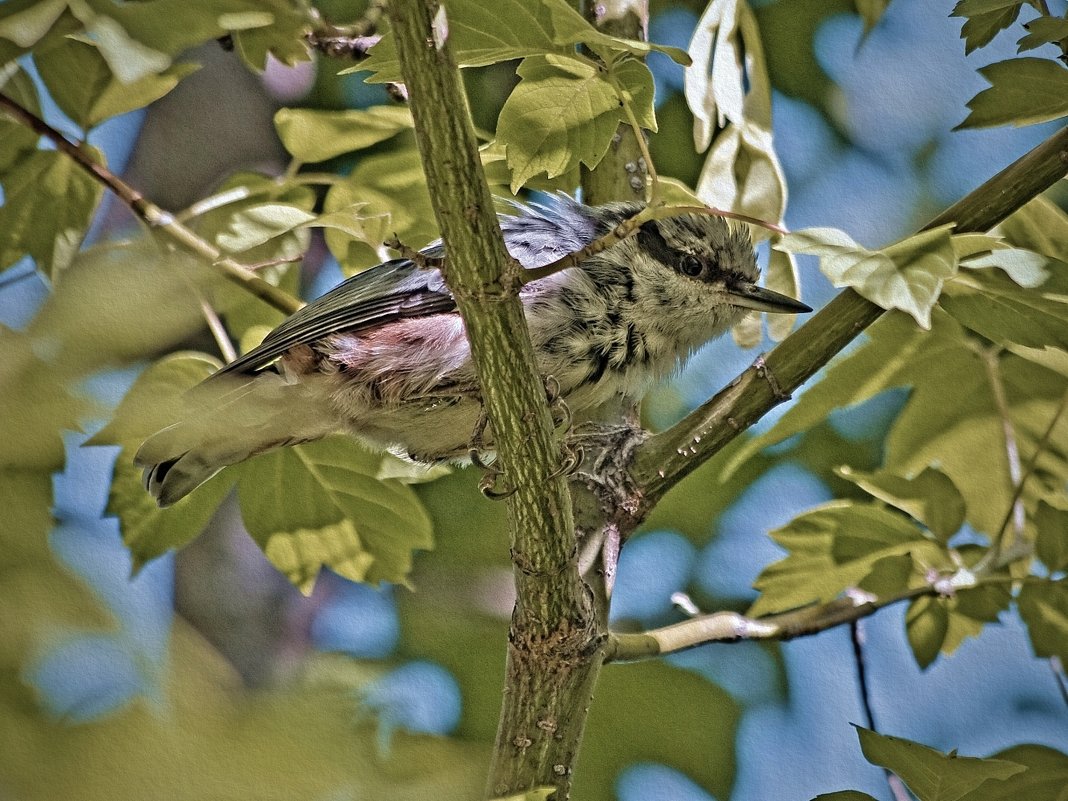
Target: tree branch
[[553, 654], [666, 458], [153, 215]]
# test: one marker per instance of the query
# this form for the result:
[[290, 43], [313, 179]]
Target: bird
[[384, 357]]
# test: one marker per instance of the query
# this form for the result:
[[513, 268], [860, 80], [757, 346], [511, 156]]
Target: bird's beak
[[751, 296]]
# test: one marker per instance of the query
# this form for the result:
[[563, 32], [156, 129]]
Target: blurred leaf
[[537, 794], [16, 140], [276, 744], [1044, 780], [930, 497], [156, 400], [984, 19], [1051, 543], [654, 712], [25, 22], [871, 11], [566, 111], [1041, 31], [844, 795], [321, 504], [832, 548], [84, 85], [48, 204], [483, 34], [907, 275], [36, 404], [1043, 606], [131, 60], [1023, 91], [312, 135], [930, 774], [992, 304], [284, 38], [926, 624]]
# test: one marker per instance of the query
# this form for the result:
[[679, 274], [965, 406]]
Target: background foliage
[[138, 656]]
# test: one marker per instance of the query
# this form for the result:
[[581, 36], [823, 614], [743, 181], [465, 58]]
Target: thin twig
[[153, 215], [218, 330]]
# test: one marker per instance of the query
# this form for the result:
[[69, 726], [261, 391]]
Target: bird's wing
[[391, 291]]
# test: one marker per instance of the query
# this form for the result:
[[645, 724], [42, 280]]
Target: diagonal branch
[[154, 216], [666, 458]]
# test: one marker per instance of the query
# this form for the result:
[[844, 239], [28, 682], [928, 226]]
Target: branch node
[[762, 370]]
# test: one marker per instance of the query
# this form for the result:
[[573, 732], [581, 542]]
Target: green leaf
[[505, 30], [284, 38], [321, 504], [25, 22], [312, 135], [930, 497], [984, 20], [537, 794], [1044, 780], [833, 548], [844, 795], [16, 140], [82, 82], [930, 774], [952, 418], [1039, 225], [926, 624], [992, 304], [1023, 91], [255, 225], [907, 275], [782, 277], [390, 189], [129, 59], [48, 204], [1043, 606], [1041, 31], [1051, 543], [565, 111]]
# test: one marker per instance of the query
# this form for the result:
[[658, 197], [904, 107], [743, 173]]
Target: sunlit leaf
[[25, 22], [313, 135], [907, 275], [930, 774], [742, 173], [1023, 91], [321, 504], [783, 278], [871, 11]]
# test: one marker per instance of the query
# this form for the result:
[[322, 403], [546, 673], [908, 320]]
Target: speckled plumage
[[384, 356]]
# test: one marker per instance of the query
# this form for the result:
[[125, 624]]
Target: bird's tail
[[229, 422]]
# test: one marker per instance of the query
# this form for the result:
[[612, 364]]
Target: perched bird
[[384, 356]]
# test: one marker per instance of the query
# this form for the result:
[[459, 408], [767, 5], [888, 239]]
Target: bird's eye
[[691, 266]]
